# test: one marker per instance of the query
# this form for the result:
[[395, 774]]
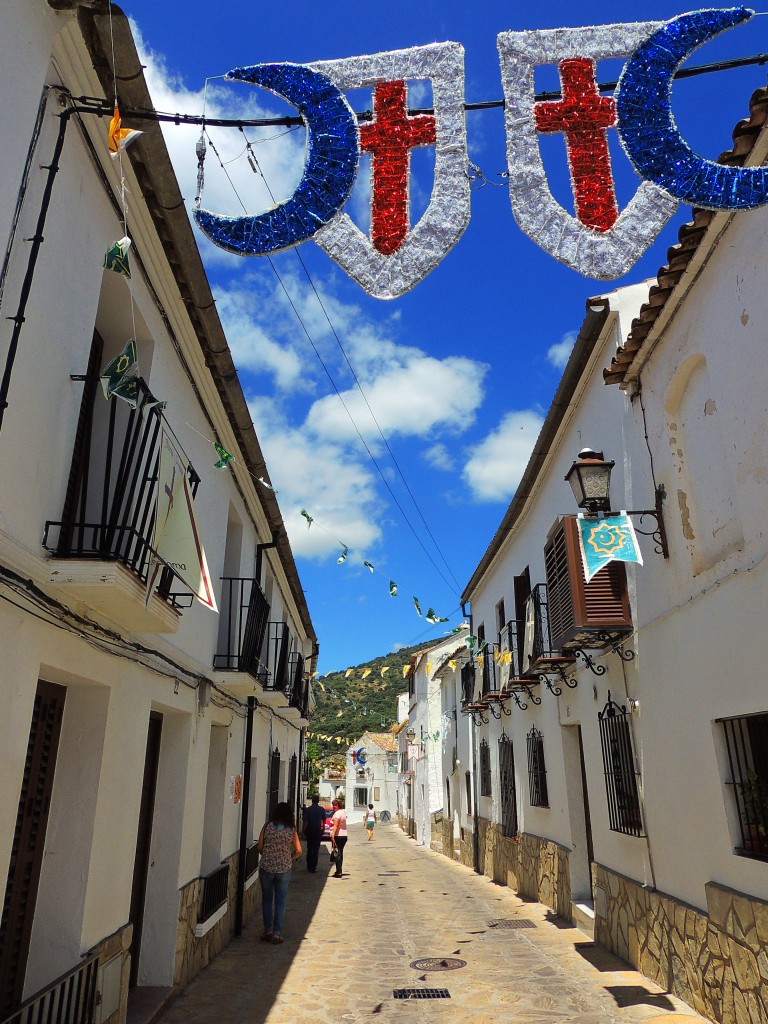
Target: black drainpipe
[[263, 547], [244, 814], [37, 240]]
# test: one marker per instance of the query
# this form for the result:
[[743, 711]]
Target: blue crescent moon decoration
[[647, 127], [362, 755], [333, 155]]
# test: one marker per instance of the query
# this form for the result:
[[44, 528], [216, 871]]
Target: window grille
[[361, 796], [537, 772], [746, 741], [619, 768], [507, 787], [468, 787], [485, 769]]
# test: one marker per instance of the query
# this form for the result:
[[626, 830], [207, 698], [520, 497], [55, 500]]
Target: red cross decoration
[[584, 116], [390, 138]]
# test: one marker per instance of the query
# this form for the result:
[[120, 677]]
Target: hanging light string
[[453, 586]]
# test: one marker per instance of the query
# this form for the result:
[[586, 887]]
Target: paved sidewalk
[[349, 943]]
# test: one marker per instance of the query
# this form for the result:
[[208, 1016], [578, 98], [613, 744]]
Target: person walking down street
[[314, 820], [279, 846], [338, 834], [370, 821]]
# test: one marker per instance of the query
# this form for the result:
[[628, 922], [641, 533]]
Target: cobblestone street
[[350, 943]]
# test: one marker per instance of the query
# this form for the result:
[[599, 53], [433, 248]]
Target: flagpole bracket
[[659, 534]]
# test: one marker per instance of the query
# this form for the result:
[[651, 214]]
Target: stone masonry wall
[[118, 944], [716, 961], [192, 953]]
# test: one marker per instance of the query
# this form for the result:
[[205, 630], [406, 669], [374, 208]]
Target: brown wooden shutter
[[29, 842]]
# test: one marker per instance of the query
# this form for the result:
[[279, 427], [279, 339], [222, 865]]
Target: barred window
[[468, 787], [537, 772], [507, 787], [746, 741], [619, 769], [485, 769]]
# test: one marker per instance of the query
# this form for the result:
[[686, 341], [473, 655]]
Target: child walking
[[370, 821]]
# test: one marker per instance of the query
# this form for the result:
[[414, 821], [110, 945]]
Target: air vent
[[512, 923]]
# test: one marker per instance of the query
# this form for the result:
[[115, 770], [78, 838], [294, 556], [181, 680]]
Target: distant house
[[372, 775], [330, 785]]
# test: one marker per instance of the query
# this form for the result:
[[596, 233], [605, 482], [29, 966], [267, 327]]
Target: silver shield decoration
[[387, 275], [601, 254]]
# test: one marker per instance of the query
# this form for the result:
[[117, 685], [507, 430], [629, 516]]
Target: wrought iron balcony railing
[[109, 507], [71, 999], [243, 626], [215, 892], [298, 687]]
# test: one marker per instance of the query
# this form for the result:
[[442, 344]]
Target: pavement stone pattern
[[349, 943]]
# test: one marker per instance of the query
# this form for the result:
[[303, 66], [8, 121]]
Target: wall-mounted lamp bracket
[[659, 535]]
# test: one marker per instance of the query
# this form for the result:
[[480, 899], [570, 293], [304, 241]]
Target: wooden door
[[144, 839], [29, 842]]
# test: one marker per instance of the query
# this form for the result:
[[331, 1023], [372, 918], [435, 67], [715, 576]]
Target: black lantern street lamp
[[590, 480]]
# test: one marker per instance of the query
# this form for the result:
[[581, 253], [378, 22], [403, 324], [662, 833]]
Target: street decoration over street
[[598, 240]]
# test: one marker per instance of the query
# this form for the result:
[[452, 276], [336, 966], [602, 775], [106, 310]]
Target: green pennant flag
[[471, 641], [224, 456], [417, 606], [343, 556], [127, 390], [392, 588], [308, 517], [368, 565], [116, 257], [148, 401], [122, 365], [434, 618]]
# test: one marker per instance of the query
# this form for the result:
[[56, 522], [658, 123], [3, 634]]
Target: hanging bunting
[[428, 667], [369, 566], [434, 618], [366, 673], [384, 669], [417, 606], [452, 664], [406, 670], [118, 137], [148, 401], [116, 257], [348, 673], [343, 556], [264, 483], [127, 390], [308, 517], [606, 539], [392, 588], [123, 365], [224, 457]]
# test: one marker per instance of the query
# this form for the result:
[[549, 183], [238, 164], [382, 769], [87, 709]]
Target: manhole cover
[[512, 922], [436, 963], [421, 993]]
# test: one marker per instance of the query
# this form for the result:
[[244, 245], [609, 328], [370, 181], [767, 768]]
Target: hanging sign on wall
[[598, 240]]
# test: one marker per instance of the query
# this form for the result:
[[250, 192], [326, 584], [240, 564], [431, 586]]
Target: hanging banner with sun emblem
[[606, 539]]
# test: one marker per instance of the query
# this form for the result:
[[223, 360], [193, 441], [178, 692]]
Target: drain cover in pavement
[[421, 993], [512, 922], [435, 963]]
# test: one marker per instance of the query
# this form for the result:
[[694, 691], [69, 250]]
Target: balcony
[[101, 545], [297, 690]]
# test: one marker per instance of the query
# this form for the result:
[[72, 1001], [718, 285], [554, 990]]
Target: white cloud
[[439, 457], [495, 466], [252, 347], [558, 354], [416, 397]]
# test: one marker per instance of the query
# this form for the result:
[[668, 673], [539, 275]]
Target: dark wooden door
[[29, 842], [144, 838], [587, 822]]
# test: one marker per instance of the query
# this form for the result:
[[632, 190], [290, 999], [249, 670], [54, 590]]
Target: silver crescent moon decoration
[[647, 127], [333, 155]]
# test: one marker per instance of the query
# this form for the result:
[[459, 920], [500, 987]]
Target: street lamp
[[590, 480], [410, 735]]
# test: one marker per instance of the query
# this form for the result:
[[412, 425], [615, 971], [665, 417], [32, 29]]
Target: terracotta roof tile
[[689, 237], [385, 740]]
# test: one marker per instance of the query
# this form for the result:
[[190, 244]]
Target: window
[[376, 793], [468, 784], [537, 773], [273, 786], [485, 769], [501, 618], [619, 768], [293, 771], [361, 796], [746, 741], [507, 787], [448, 796]]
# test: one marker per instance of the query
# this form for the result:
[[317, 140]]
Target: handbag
[[334, 856]]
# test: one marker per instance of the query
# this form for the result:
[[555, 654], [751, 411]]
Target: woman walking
[[370, 821], [338, 834], [279, 845]]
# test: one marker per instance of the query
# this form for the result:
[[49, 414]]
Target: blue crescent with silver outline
[[333, 155], [647, 127]]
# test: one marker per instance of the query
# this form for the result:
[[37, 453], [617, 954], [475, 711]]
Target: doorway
[[581, 855], [144, 839]]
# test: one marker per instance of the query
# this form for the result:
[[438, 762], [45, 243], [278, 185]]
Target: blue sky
[[461, 370]]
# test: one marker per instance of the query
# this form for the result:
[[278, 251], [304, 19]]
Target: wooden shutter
[[29, 842]]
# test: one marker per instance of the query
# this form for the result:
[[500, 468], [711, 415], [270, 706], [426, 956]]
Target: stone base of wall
[[118, 944], [192, 953], [716, 961]]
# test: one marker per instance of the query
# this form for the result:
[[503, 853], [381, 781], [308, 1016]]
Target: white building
[[628, 786], [142, 740], [372, 773]]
